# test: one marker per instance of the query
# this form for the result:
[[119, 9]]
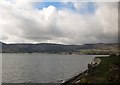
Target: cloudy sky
[[58, 22]]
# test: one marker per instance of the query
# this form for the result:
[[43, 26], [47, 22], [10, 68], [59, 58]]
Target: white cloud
[[22, 23]]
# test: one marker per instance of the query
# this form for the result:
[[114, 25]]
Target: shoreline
[[71, 80], [60, 54], [76, 79]]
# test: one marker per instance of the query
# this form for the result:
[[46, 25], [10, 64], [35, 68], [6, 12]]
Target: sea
[[42, 68]]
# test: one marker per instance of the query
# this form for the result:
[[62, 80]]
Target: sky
[[61, 22]]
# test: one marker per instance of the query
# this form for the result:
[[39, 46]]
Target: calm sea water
[[41, 68]]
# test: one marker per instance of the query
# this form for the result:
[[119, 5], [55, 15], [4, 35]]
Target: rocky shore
[[102, 70], [76, 79]]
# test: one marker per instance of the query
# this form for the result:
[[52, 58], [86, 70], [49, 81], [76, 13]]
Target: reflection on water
[[42, 68]]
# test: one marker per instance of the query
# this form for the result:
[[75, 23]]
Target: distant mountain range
[[53, 48]]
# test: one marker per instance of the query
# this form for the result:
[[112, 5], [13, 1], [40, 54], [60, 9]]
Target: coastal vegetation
[[106, 72]]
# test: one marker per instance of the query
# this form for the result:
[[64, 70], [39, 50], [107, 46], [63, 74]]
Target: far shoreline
[[96, 55]]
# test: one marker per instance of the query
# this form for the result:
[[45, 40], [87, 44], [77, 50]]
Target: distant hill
[[53, 48], [0, 47]]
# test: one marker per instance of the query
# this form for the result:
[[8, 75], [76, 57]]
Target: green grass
[[104, 72]]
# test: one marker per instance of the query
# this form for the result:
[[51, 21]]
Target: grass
[[108, 71]]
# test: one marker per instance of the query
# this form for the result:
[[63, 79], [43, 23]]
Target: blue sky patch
[[41, 5], [88, 8]]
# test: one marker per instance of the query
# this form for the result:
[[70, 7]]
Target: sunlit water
[[41, 68]]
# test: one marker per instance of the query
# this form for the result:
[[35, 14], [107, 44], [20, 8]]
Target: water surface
[[41, 68]]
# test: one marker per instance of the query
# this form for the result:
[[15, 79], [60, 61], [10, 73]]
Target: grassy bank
[[108, 71]]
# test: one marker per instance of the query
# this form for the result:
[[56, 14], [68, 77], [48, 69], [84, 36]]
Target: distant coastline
[[50, 48]]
